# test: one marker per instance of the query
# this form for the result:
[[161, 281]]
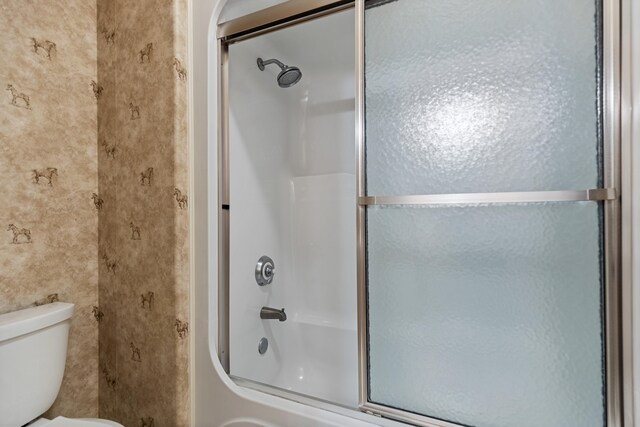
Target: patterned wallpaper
[[143, 210], [94, 162], [48, 167]]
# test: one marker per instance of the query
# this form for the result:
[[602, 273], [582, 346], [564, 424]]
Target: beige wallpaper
[[143, 229], [48, 168], [94, 163]]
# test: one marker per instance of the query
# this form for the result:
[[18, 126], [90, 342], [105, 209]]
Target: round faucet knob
[[269, 270], [265, 270]]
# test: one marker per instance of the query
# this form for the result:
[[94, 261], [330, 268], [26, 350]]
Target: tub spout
[[273, 313]]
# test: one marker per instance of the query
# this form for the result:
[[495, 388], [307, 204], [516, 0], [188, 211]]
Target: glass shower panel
[[487, 315], [480, 96]]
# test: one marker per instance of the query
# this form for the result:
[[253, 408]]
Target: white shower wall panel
[[259, 176], [323, 213], [293, 198]]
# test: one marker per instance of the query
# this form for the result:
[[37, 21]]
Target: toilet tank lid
[[25, 321]]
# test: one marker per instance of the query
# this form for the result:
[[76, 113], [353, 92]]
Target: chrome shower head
[[289, 75]]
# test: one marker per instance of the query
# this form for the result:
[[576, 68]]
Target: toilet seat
[[75, 422]]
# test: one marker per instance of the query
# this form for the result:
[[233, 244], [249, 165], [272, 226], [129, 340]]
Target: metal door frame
[[617, 312]]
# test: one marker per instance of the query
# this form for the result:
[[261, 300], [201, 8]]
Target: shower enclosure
[[454, 261], [291, 176]]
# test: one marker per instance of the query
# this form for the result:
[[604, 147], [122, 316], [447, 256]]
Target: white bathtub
[[246, 423], [309, 359]]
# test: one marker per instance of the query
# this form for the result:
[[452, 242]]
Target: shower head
[[287, 77]]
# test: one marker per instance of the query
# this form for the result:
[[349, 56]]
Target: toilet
[[33, 352]]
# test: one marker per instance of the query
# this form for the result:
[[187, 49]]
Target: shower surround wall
[[292, 196], [49, 171], [143, 229]]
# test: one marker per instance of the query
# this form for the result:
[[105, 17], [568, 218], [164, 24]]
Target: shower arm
[[262, 64]]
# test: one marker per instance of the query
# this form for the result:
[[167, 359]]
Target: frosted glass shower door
[[485, 212]]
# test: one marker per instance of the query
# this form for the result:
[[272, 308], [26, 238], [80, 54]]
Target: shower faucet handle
[[265, 270], [269, 270]]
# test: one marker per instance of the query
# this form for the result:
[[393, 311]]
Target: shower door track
[[277, 17]]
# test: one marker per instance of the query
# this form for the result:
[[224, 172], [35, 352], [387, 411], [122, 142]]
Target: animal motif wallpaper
[[49, 172], [142, 203], [94, 208]]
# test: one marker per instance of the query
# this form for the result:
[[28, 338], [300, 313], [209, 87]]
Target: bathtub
[[306, 358], [246, 423]]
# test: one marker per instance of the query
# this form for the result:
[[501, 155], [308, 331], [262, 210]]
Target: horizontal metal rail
[[278, 16], [597, 194], [404, 416]]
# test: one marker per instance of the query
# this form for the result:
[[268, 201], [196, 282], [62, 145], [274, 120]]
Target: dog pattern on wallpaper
[[145, 53], [135, 231], [47, 300], [19, 99], [181, 72], [181, 199], [97, 89], [111, 264], [110, 150], [134, 111], [97, 201], [182, 328], [109, 379], [109, 35], [135, 352], [146, 177], [47, 47], [47, 173], [20, 235], [97, 313], [146, 300]]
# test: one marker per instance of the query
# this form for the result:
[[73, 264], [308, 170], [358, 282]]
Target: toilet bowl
[[30, 378]]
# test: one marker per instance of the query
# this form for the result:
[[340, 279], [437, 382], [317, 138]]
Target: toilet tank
[[33, 351]]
